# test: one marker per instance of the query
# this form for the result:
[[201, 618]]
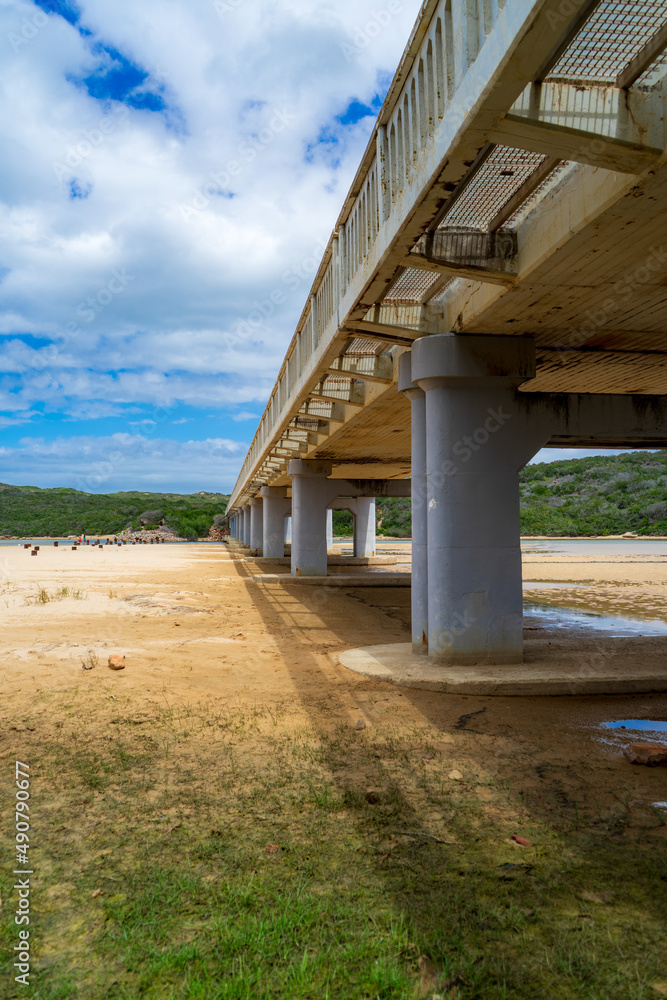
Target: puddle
[[550, 585], [645, 725], [617, 626], [659, 805]]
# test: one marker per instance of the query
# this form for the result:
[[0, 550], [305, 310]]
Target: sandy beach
[[217, 658]]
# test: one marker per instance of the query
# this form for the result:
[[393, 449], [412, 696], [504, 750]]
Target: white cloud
[[131, 294], [107, 464], [245, 415]]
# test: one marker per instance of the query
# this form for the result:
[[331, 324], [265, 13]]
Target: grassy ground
[[192, 853]]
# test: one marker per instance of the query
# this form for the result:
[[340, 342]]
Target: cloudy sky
[[167, 167]]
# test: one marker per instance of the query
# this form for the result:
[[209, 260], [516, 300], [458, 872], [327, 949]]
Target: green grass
[[153, 878]]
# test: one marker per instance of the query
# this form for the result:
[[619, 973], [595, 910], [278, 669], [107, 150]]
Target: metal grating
[[654, 73], [412, 285], [359, 347], [493, 185], [554, 178], [611, 37]]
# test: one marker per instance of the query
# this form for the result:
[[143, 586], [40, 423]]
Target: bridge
[[496, 283]]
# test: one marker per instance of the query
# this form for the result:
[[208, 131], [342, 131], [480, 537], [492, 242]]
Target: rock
[[455, 776], [651, 754], [116, 662], [272, 848], [361, 724], [372, 797], [521, 841]]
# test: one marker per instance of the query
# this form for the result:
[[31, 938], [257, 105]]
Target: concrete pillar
[[312, 491], [476, 443], [276, 504], [329, 529], [288, 529], [364, 527], [256, 524], [419, 589], [245, 537]]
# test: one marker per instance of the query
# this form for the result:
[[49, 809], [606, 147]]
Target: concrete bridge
[[496, 283]]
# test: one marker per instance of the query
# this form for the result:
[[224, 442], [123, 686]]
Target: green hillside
[[600, 495], [26, 511]]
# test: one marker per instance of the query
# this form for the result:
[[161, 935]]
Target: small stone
[[361, 724], [272, 848], [116, 662], [96, 893], [455, 776], [372, 797], [428, 756], [651, 754], [521, 841]]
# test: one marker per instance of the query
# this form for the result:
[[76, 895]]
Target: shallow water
[[568, 618], [645, 725], [600, 546]]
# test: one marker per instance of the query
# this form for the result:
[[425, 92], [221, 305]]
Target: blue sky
[[165, 169]]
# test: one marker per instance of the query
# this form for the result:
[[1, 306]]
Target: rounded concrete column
[[311, 493], [474, 450], [276, 505], [419, 589], [245, 537], [256, 524], [288, 529], [364, 527]]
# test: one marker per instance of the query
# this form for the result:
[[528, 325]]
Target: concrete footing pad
[[339, 579], [332, 560], [546, 675]]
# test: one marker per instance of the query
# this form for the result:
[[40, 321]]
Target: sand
[[196, 624]]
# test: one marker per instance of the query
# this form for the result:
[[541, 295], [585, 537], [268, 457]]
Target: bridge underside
[[497, 283]]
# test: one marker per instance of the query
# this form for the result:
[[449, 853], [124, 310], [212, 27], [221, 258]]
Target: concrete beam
[[641, 62], [370, 368], [496, 276], [600, 126]]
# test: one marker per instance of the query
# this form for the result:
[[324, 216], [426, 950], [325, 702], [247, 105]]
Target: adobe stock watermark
[[224, 8], [263, 309], [90, 140], [463, 450], [30, 28], [104, 467], [218, 182], [623, 290], [21, 950], [366, 33], [563, 15]]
